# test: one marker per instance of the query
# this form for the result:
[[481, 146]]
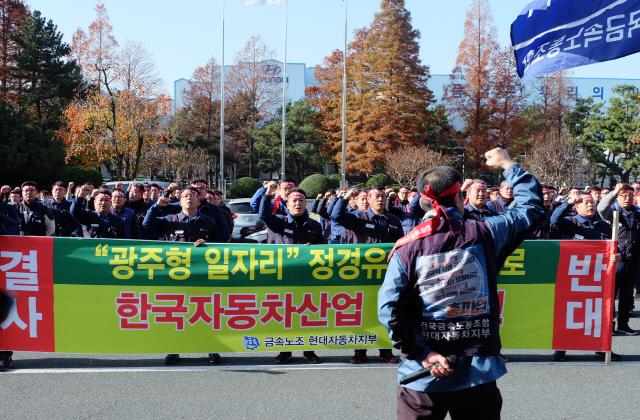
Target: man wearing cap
[[371, 226], [621, 200], [205, 208], [505, 200], [99, 223], [189, 225], [66, 225], [295, 228], [35, 218], [128, 216], [423, 315]]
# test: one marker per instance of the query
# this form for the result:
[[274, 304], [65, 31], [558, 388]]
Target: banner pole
[[614, 236], [284, 92], [222, 185]]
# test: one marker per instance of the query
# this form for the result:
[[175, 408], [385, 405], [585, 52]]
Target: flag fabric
[[553, 35], [265, 2]]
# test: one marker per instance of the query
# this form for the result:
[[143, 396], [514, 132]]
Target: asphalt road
[[250, 386]]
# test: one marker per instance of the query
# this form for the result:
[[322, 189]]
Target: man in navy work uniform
[[128, 216], [371, 226], [35, 218], [429, 319], [66, 225], [279, 205], [621, 199], [585, 225], [505, 200], [99, 223], [477, 194], [295, 228], [190, 225]]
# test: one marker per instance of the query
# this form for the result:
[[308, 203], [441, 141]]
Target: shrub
[[335, 180], [80, 175], [315, 184], [379, 179], [243, 188]]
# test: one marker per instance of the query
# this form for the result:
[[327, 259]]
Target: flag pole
[[284, 89], [222, 183], [344, 101], [614, 238]]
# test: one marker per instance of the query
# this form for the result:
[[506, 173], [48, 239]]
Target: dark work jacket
[[578, 227], [35, 226], [66, 225], [282, 210], [140, 209], [403, 212], [544, 229], [320, 208], [287, 229], [472, 213], [9, 219], [206, 209], [96, 225], [179, 228], [628, 235], [131, 227], [499, 206], [368, 227]]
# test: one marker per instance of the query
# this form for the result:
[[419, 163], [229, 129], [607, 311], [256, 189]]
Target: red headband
[[287, 184], [118, 193], [187, 192], [403, 189], [574, 190], [635, 184], [478, 185], [296, 194], [362, 194], [103, 195], [371, 192], [199, 184], [586, 196], [57, 187], [210, 195], [29, 188], [605, 192], [16, 194], [545, 190]]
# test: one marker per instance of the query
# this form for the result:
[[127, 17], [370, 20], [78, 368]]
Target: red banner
[[584, 301], [26, 273]]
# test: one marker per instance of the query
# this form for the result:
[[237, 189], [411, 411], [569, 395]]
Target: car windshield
[[242, 208]]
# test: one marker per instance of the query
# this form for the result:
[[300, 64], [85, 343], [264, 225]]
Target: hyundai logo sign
[[272, 69]]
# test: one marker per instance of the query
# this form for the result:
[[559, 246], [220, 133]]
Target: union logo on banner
[[584, 298], [26, 274]]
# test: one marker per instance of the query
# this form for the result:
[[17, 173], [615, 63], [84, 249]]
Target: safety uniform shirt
[[288, 229], [579, 227], [66, 225], [97, 225], [179, 228], [440, 291], [131, 227], [206, 209], [472, 213], [367, 226], [628, 227], [35, 219]]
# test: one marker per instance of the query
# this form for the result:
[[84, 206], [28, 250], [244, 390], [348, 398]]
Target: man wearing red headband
[[595, 193], [371, 226], [135, 201], [295, 228], [99, 223], [505, 201], [66, 225], [405, 210], [35, 218], [319, 206], [585, 225], [278, 205], [424, 314], [189, 225], [621, 200], [477, 195], [128, 216]]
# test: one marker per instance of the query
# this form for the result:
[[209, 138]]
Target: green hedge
[[335, 180], [243, 188], [315, 184], [379, 179], [79, 175]]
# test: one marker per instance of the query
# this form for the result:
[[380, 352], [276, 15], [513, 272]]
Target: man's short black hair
[[295, 189], [59, 184], [331, 191], [44, 192], [440, 178], [156, 185], [289, 180], [625, 187], [595, 188], [199, 180], [29, 183]]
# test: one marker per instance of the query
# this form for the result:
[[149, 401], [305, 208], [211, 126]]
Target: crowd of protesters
[[345, 216]]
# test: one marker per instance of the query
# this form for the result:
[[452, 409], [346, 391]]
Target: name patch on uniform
[[179, 232], [95, 225], [454, 284], [578, 236], [370, 226], [289, 231]]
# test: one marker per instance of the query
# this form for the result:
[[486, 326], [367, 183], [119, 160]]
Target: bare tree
[[408, 162], [138, 70], [556, 159]]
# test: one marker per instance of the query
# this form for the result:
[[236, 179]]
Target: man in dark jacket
[[423, 313], [99, 223], [128, 216], [372, 226], [35, 218], [66, 225], [295, 228]]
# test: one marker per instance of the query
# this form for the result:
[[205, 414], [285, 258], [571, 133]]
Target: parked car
[[244, 215]]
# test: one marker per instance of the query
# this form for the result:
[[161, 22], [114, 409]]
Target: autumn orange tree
[[388, 101], [119, 120], [13, 13]]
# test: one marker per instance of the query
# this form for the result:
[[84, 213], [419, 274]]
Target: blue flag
[[553, 35]]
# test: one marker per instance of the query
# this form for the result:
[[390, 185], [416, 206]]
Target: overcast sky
[[184, 35]]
